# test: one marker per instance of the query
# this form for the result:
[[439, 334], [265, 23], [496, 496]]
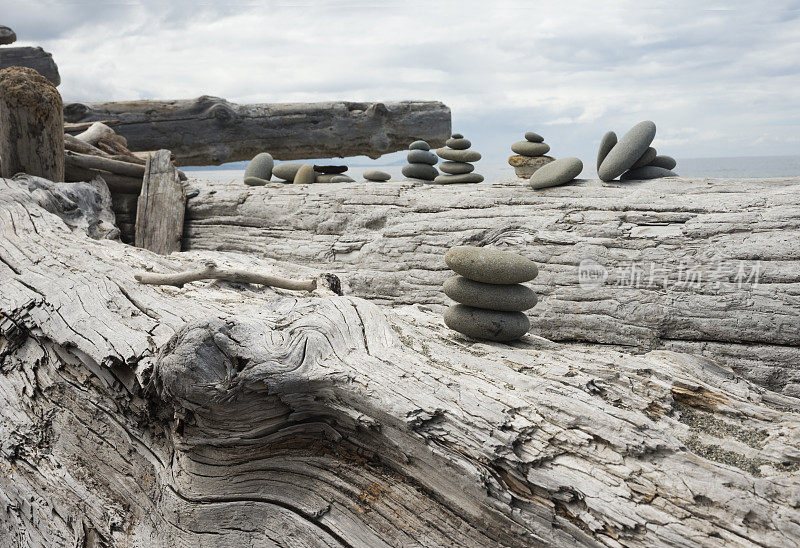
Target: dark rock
[[330, 169], [7, 36]]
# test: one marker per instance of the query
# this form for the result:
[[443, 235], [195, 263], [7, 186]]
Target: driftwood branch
[[89, 161], [212, 272]]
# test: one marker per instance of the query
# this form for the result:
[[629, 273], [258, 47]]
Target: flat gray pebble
[[419, 145], [646, 159], [287, 171], [488, 325], [606, 144], [421, 157], [667, 162], [458, 155], [647, 172], [527, 148], [458, 144], [426, 172], [255, 181], [456, 168], [491, 266], [376, 175], [508, 297], [556, 173], [459, 179], [260, 167], [305, 175], [533, 137]]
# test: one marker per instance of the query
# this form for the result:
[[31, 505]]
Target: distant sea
[[746, 167]]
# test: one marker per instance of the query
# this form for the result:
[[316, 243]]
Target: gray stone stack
[[632, 157], [420, 162], [458, 167], [530, 155], [490, 293]]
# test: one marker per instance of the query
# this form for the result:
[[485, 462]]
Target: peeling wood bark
[[161, 206], [30, 57], [231, 415], [212, 131]]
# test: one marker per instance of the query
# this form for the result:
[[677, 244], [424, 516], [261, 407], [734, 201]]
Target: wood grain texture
[[161, 206], [31, 57], [705, 238], [212, 131], [225, 414]]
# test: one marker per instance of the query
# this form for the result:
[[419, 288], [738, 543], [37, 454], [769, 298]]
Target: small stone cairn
[[632, 157], [458, 167], [530, 155], [489, 291], [420, 162]]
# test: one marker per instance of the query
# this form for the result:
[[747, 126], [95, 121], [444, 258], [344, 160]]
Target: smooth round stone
[[255, 181], [647, 172], [305, 175], [648, 156], [376, 175], [342, 179], [489, 325], [456, 136], [426, 172], [556, 173], [606, 144], [509, 298], [458, 144], [667, 162], [421, 157], [491, 266], [333, 178], [526, 148], [627, 151], [286, 171], [419, 145], [7, 36], [456, 168], [458, 155], [260, 167], [330, 169], [533, 137], [459, 179], [525, 166]]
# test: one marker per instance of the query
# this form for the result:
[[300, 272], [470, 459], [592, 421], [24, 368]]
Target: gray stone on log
[[647, 172], [533, 137], [667, 162], [508, 297], [426, 172], [527, 148], [305, 175], [556, 173], [7, 36], [491, 266], [376, 175], [458, 155], [525, 166], [286, 170], [456, 168], [627, 151], [489, 325], [333, 178], [259, 169], [646, 159], [255, 181], [421, 157], [459, 179], [458, 144], [456, 136], [419, 145], [606, 144]]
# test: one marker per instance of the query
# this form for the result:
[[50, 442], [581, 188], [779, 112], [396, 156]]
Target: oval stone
[[489, 325], [421, 157], [667, 162], [7, 36], [458, 155], [556, 173], [376, 175], [342, 179], [461, 178], [491, 266], [425, 172], [458, 144], [606, 144], [305, 175], [419, 145], [533, 137], [456, 136], [648, 156], [255, 181], [333, 178], [260, 167], [286, 171], [456, 168], [527, 148], [627, 151], [647, 172], [509, 298]]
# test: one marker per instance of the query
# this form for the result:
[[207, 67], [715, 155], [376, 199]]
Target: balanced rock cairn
[[297, 173], [530, 155], [632, 157], [458, 168], [376, 176], [490, 293], [420, 162]]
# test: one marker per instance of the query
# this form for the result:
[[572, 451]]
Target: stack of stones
[[420, 162], [490, 293], [300, 174], [376, 176], [632, 157], [458, 168], [530, 155]]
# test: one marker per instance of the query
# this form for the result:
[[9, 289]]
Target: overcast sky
[[717, 82]]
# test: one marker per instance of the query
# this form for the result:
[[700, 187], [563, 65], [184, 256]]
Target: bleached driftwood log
[[210, 130], [34, 58], [161, 206], [232, 415], [730, 251]]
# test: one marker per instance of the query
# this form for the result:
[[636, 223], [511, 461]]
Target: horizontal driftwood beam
[[31, 57], [99, 162], [212, 272], [211, 131]]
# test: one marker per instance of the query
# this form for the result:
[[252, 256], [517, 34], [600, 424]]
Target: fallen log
[[706, 266], [108, 164], [211, 272], [34, 58], [117, 184], [225, 414], [212, 131], [94, 133]]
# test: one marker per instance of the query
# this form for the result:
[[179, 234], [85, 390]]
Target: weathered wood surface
[[210, 130], [161, 206], [389, 239], [30, 57], [230, 415], [31, 125]]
